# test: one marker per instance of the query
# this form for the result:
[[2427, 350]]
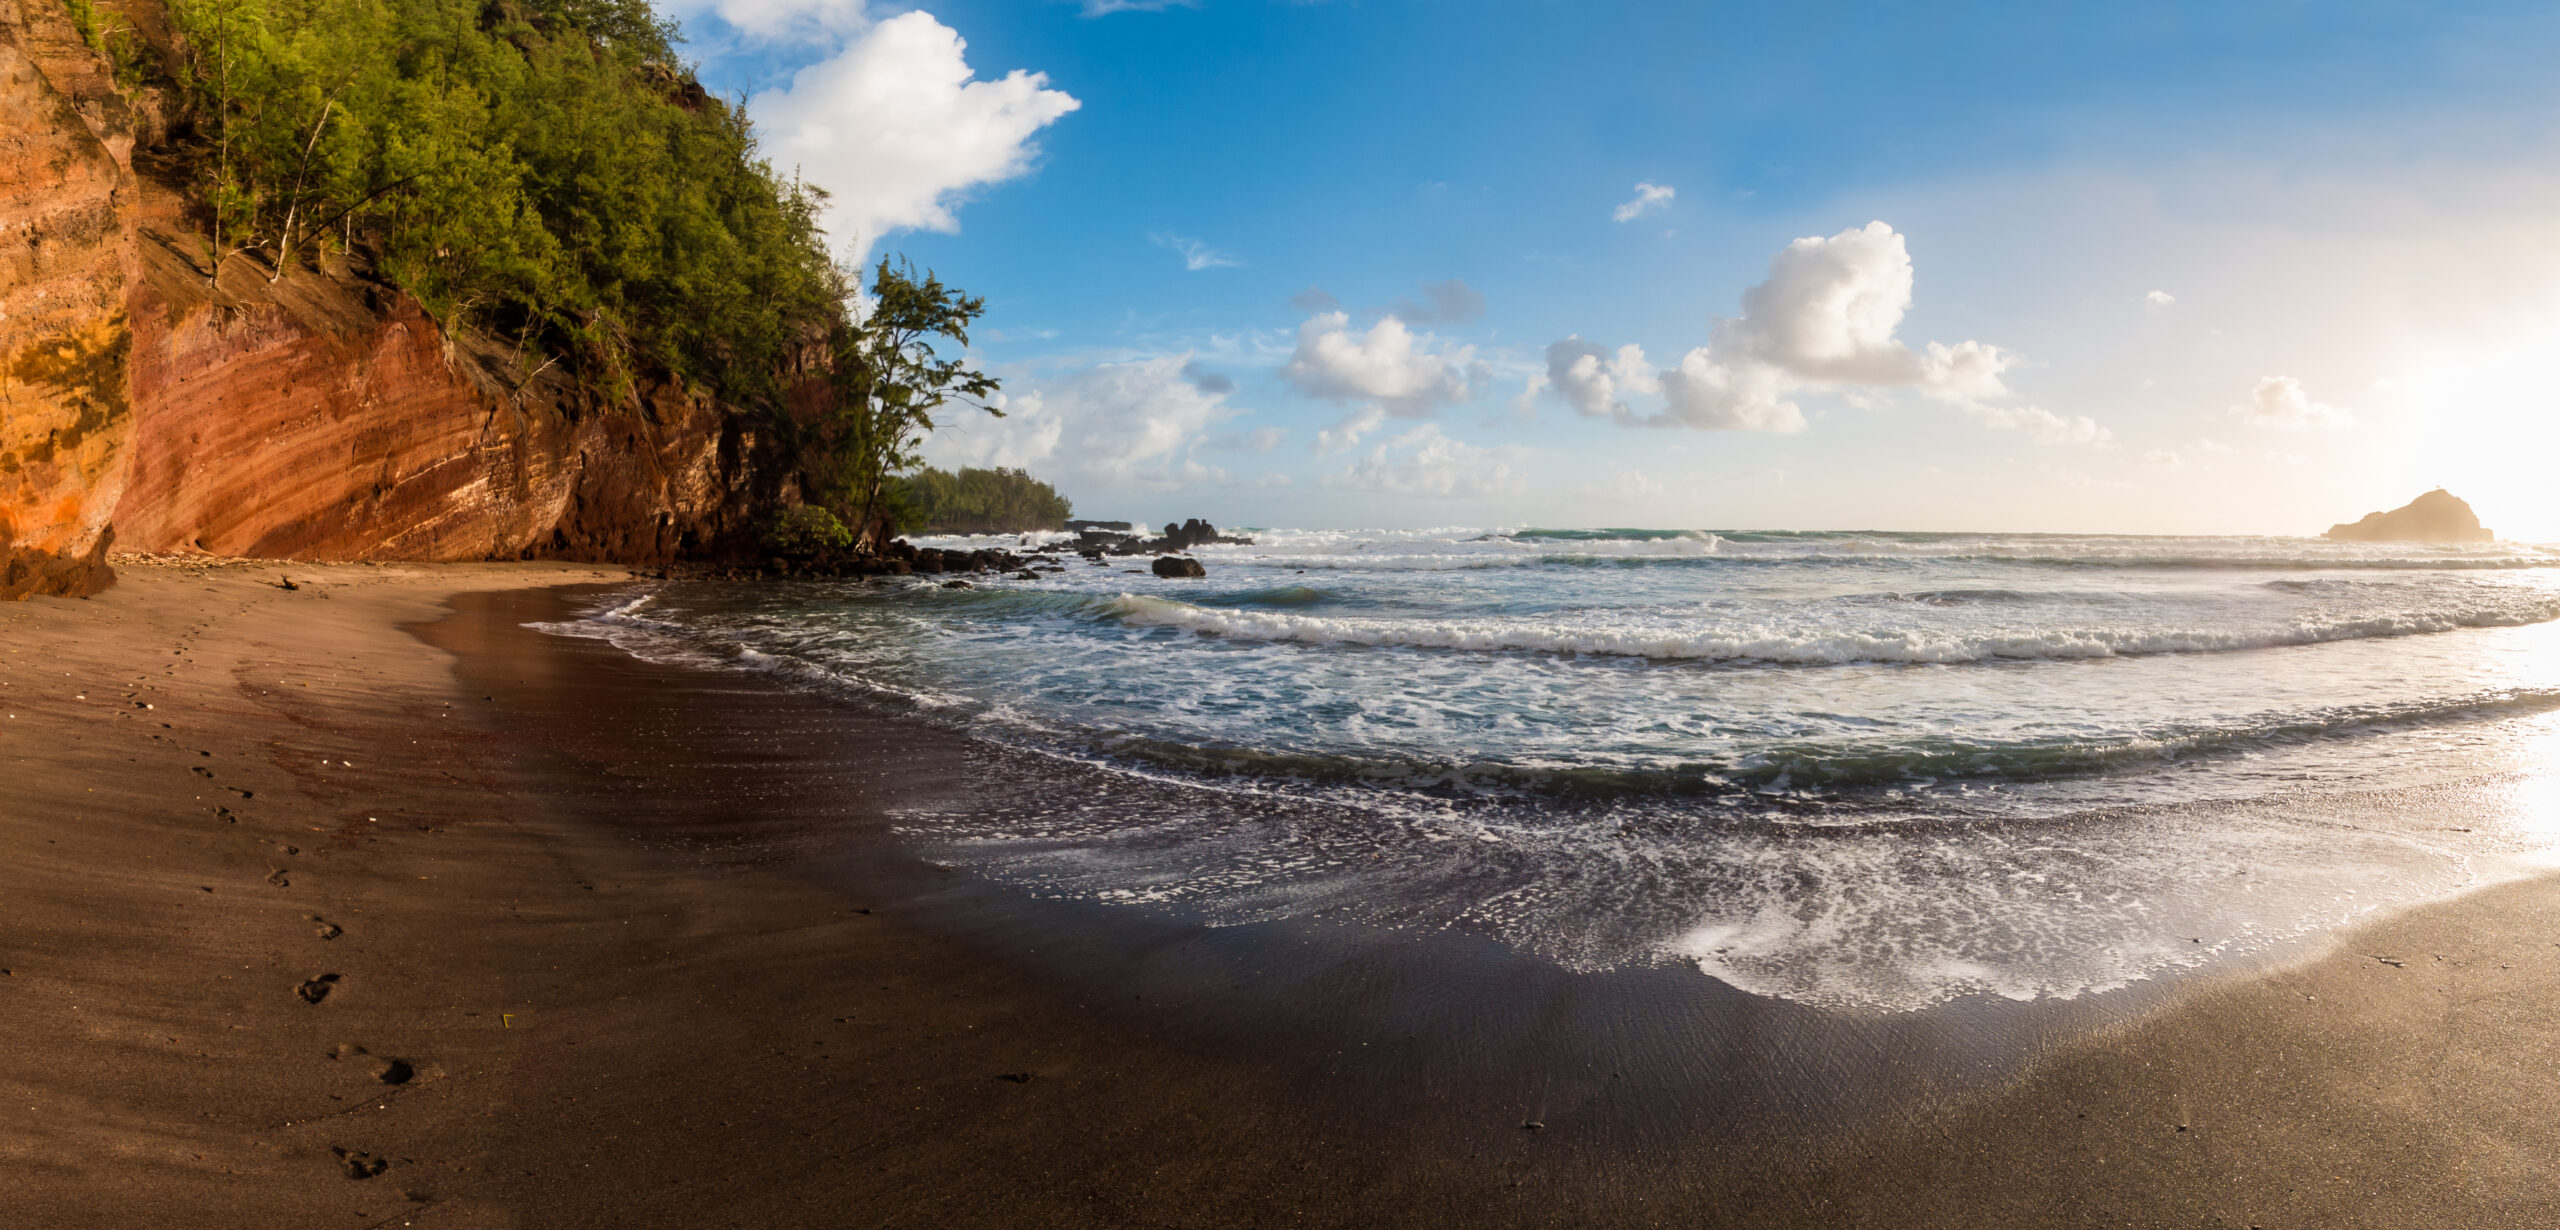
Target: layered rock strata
[[321, 416], [151, 402]]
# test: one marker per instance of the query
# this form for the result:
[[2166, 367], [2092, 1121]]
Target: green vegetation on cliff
[[540, 169], [974, 501], [544, 172]]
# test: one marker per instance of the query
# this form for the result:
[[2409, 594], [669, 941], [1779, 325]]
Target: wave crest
[[1777, 646]]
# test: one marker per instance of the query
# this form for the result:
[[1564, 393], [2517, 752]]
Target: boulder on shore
[[2437, 516], [1179, 566]]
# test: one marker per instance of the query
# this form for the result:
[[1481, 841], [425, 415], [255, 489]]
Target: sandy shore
[[359, 904]]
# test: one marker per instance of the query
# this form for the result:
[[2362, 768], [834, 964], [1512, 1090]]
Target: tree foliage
[[975, 501], [891, 381], [804, 529], [538, 168], [542, 170]]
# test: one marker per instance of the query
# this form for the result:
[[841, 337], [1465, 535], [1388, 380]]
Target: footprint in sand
[[317, 989], [278, 878], [327, 930], [387, 1069], [360, 1165]]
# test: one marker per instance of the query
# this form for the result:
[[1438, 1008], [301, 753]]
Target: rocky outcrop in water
[[1171, 566], [899, 558], [2437, 516], [1094, 543]]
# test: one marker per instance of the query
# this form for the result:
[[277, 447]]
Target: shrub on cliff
[[975, 501], [804, 530], [536, 167]]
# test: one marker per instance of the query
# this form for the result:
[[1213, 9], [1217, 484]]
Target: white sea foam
[[2031, 766], [1713, 640], [1446, 548]]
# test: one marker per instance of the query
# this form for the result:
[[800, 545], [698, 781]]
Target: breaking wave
[[1770, 644]]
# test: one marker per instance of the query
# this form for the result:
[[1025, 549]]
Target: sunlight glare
[[2485, 424]]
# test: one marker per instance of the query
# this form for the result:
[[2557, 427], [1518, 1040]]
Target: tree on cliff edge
[[889, 382]]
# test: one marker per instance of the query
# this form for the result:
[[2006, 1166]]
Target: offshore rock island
[[2437, 516]]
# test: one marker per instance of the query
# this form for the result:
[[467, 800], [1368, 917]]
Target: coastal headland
[[360, 903]]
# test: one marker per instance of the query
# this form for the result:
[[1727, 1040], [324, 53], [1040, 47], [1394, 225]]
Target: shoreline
[[649, 957]]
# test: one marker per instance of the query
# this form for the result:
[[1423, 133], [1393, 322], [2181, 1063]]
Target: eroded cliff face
[[66, 416], [147, 403], [319, 416]]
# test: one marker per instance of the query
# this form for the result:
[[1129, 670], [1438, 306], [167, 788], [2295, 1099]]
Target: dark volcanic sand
[[626, 945]]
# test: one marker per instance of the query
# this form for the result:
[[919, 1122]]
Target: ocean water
[[1873, 771]]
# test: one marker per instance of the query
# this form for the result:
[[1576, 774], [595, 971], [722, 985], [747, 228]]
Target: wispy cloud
[[2044, 425], [1452, 303], [1650, 199], [1427, 462], [1105, 8], [1111, 426], [1196, 255]]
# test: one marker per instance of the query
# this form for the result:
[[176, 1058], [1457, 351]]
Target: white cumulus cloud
[[2159, 299], [895, 125], [1389, 366], [1593, 381], [1715, 396], [1826, 318], [1116, 425], [1649, 199], [2279, 402]]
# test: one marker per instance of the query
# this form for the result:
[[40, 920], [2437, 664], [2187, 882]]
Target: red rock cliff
[[317, 416], [65, 253]]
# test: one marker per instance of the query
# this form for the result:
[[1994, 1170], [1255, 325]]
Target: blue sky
[[2232, 267]]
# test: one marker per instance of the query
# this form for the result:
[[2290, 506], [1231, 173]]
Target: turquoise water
[[1876, 770]]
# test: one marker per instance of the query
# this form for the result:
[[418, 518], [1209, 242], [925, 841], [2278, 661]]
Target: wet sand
[[617, 944]]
